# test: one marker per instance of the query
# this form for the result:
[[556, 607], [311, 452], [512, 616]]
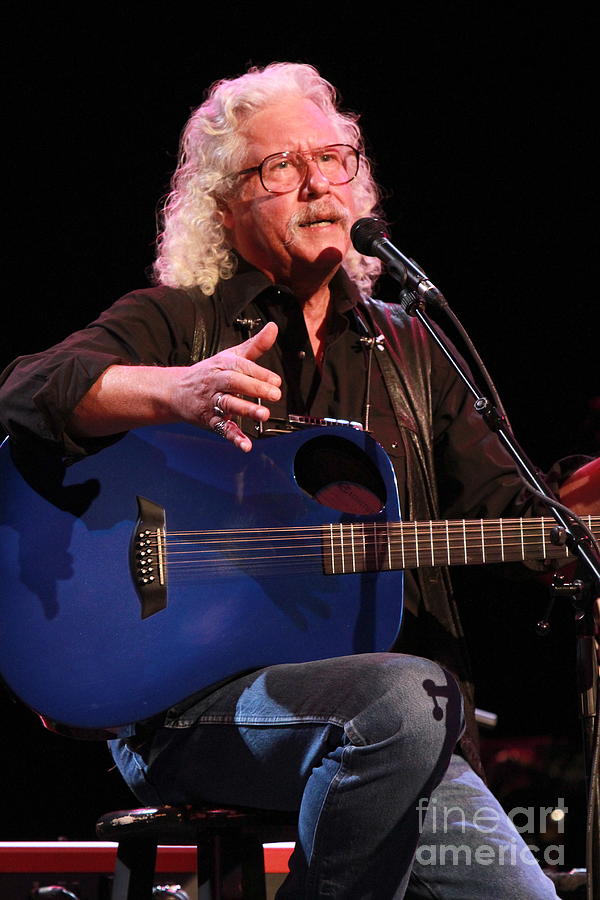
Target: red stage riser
[[98, 856]]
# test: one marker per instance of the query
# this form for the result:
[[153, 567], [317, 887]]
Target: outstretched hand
[[216, 389]]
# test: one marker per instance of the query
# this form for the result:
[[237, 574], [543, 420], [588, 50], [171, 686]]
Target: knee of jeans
[[412, 698]]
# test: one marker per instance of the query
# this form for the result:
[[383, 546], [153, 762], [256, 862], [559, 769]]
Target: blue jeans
[[357, 745]]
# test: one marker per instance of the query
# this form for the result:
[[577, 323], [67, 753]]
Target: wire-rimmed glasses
[[280, 173]]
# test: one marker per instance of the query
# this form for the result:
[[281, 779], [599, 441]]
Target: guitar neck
[[372, 547]]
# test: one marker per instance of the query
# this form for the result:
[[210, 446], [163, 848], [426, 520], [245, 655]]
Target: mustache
[[317, 211]]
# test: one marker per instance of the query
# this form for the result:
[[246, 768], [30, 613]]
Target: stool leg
[[231, 867], [253, 868], [134, 870]]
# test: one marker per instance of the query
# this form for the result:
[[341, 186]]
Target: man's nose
[[315, 183]]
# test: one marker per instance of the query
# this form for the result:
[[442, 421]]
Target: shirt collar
[[248, 284]]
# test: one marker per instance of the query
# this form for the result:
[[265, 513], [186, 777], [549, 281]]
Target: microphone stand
[[418, 291]]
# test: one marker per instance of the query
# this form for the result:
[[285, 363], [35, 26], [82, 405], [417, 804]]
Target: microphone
[[370, 237]]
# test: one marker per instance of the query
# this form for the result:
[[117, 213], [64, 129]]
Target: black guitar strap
[[410, 420], [203, 340], [207, 338]]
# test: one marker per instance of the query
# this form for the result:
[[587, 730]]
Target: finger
[[259, 343], [238, 406], [251, 384], [230, 432]]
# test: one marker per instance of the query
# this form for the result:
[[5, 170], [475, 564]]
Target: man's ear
[[227, 214]]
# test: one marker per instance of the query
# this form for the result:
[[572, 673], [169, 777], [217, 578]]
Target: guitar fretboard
[[369, 547]]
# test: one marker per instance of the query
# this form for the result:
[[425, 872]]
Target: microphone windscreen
[[365, 231]]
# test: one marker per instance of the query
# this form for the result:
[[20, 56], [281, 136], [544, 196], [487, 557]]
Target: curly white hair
[[192, 246]]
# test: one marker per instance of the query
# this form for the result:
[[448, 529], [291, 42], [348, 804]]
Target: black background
[[478, 118]]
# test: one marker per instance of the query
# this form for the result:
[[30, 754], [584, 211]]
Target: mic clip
[[374, 342], [412, 302]]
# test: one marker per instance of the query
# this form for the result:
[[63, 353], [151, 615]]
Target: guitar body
[[77, 645]]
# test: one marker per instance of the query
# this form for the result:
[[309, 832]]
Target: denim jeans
[[357, 745]]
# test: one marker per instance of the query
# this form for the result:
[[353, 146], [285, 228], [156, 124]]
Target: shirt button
[[301, 354], [395, 445]]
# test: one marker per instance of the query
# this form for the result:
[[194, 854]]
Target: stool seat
[[228, 839]]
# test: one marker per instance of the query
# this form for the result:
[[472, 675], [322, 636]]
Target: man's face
[[298, 237]]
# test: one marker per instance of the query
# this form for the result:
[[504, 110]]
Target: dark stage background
[[478, 121]]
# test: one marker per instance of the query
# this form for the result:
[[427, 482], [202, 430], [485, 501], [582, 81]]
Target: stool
[[228, 840]]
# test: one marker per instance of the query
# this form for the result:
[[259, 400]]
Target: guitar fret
[[482, 543], [333, 572], [464, 526], [544, 537], [533, 539], [501, 541], [431, 543], [448, 543], [363, 549], [416, 545], [352, 540], [342, 548], [522, 540], [389, 545]]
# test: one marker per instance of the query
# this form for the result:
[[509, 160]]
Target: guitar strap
[[203, 341], [199, 340], [207, 338], [411, 418]]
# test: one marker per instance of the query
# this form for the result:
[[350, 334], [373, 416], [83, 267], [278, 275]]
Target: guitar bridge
[[147, 558]]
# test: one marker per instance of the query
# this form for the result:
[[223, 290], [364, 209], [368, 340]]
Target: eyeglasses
[[280, 173]]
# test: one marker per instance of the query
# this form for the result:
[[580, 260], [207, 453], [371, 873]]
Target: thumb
[[258, 343]]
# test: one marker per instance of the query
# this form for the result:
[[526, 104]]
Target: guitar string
[[314, 562], [471, 526], [210, 568], [395, 534], [283, 543], [451, 545], [384, 538], [362, 559], [448, 535], [263, 569], [494, 553]]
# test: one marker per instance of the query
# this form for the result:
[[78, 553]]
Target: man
[[262, 311]]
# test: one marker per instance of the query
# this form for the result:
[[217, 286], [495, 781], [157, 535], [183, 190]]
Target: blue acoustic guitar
[[171, 561]]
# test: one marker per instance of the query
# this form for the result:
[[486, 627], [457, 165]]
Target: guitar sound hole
[[340, 475]]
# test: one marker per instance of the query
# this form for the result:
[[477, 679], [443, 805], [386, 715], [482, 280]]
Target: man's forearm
[[125, 397], [211, 391]]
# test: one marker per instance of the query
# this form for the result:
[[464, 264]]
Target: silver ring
[[219, 411], [221, 426]]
